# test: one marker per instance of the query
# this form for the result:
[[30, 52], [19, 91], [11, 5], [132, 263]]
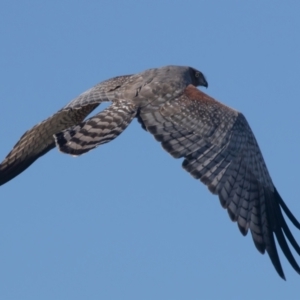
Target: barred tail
[[100, 129]]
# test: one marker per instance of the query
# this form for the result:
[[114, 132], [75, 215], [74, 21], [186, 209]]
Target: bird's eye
[[197, 74]]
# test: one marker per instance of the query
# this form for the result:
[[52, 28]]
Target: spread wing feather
[[219, 148]]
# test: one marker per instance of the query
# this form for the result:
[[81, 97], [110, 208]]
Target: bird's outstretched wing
[[220, 149], [99, 129], [39, 140]]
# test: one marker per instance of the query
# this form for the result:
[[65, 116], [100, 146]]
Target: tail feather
[[100, 129]]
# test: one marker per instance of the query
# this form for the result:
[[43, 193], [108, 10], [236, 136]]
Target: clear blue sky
[[125, 221]]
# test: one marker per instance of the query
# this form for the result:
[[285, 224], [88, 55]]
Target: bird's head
[[198, 78]]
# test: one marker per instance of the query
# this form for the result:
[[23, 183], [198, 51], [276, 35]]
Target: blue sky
[[125, 221]]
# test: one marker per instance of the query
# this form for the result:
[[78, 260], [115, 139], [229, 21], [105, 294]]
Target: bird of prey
[[216, 142]]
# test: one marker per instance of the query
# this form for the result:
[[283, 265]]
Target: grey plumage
[[216, 142]]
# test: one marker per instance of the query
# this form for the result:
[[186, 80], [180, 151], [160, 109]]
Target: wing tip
[[287, 210], [280, 230]]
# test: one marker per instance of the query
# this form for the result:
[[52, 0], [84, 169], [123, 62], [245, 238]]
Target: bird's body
[[215, 141]]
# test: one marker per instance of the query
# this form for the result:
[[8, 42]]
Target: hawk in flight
[[216, 142]]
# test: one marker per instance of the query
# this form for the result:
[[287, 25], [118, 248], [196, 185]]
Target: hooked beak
[[203, 81]]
